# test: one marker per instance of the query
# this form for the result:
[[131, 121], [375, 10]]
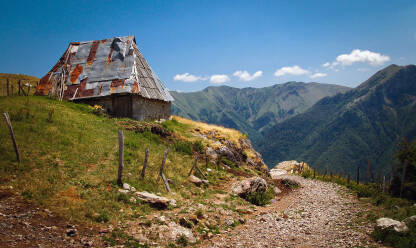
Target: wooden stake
[[326, 171], [348, 178], [146, 155], [367, 176], [193, 165], [18, 84], [206, 162], [163, 163], [200, 172], [120, 157], [9, 124], [384, 184], [165, 181], [7, 83], [313, 173]]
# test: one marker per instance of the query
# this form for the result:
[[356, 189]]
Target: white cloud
[[188, 78], [245, 76], [326, 64], [219, 78], [290, 70], [365, 56], [318, 75]]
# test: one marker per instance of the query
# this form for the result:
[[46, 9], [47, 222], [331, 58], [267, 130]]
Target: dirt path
[[23, 225], [317, 214]]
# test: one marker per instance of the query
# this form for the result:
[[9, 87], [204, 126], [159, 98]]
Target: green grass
[[70, 160]]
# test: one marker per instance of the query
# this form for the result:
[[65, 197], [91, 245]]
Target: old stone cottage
[[111, 73]]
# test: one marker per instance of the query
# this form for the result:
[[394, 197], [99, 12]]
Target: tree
[[406, 170]]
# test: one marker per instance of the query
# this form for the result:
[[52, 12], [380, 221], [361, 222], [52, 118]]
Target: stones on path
[[316, 215]]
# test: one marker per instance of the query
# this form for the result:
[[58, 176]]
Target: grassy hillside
[[251, 110], [13, 80], [70, 160], [349, 129]]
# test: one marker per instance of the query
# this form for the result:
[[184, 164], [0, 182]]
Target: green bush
[[228, 162], [183, 146], [394, 239], [260, 198], [198, 146]]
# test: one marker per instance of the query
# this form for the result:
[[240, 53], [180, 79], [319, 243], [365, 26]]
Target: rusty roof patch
[[103, 67]]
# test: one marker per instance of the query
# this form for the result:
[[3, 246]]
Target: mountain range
[[320, 124], [251, 110], [353, 128]]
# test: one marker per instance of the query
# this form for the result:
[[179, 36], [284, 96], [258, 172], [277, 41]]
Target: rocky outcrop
[[249, 186], [387, 224], [288, 167]]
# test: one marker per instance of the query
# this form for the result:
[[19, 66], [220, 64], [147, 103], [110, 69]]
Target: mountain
[[350, 128], [251, 110]]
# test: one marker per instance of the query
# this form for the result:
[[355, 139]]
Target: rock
[[277, 190], [123, 191], [229, 222], [71, 232], [225, 151], [390, 224], [132, 200], [211, 153], [173, 231], [410, 220], [172, 203], [126, 186], [152, 199], [132, 189], [277, 172], [193, 179], [248, 186], [209, 170], [185, 222]]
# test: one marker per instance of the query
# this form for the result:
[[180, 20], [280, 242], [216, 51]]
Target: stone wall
[[132, 106]]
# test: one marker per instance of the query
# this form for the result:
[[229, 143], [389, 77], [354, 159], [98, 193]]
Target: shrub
[[198, 146], [183, 146], [228, 162], [260, 198]]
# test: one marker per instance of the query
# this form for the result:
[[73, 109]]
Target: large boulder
[[249, 186], [195, 180], [152, 199], [388, 224]]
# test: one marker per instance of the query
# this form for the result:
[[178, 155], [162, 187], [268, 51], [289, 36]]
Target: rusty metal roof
[[104, 67]]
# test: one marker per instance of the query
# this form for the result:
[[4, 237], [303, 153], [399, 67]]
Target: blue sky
[[237, 43]]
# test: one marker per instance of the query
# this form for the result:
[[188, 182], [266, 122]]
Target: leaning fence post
[[193, 165], [16, 149], [120, 157], [146, 155], [163, 164]]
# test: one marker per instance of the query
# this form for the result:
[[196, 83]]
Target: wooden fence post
[[146, 155], [18, 84], [348, 178], [206, 162], [193, 165], [384, 184], [163, 163], [367, 174], [219, 162], [358, 174], [9, 124], [7, 85], [403, 179], [120, 157], [314, 173], [326, 171]]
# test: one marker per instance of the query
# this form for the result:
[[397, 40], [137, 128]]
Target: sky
[[194, 44]]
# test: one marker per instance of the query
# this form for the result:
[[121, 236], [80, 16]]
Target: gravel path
[[318, 214]]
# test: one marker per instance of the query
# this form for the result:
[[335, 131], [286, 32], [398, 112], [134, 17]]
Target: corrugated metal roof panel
[[101, 68]]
